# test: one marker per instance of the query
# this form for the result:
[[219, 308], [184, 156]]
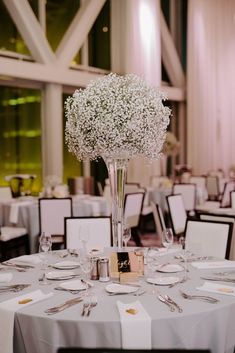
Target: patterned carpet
[[148, 239]]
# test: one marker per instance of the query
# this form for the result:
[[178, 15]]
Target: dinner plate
[[163, 281], [120, 288], [57, 275], [76, 284], [170, 268], [65, 265]]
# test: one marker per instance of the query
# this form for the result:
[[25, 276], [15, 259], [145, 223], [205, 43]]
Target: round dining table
[[200, 325]]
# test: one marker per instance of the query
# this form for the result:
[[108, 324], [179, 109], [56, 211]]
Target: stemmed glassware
[[84, 236], [86, 267], [126, 235], [45, 244], [167, 238], [182, 242]]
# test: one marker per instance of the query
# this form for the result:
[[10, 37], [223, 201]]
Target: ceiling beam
[[78, 31], [170, 56], [30, 29]]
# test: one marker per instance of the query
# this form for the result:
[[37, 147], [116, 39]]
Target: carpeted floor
[[148, 239]]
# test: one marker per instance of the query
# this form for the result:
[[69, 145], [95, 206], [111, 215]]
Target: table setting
[[159, 294]]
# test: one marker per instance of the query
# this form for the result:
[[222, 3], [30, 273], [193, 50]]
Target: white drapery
[[135, 40], [211, 85]]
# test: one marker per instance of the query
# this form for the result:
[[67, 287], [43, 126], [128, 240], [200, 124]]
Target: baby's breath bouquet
[[117, 118]]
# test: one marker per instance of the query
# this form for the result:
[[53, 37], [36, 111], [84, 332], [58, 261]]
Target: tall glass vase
[[117, 170]]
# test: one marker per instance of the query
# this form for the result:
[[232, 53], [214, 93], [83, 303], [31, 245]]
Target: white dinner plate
[[58, 275], [65, 265], [73, 285], [163, 281], [120, 288], [170, 268]]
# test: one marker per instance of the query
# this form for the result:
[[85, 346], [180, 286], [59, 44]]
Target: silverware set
[[88, 305], [137, 293], [18, 267], [205, 298], [219, 279], [67, 304], [13, 288], [172, 305]]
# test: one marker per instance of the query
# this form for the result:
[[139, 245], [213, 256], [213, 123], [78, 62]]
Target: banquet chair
[[97, 230], [229, 186], [14, 241], [51, 218], [199, 180], [222, 218], [208, 238], [213, 188], [158, 181], [177, 213], [232, 199], [158, 218], [133, 205], [188, 192]]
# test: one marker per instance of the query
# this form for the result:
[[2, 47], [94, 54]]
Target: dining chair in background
[[213, 187], [97, 231], [188, 192], [158, 218], [232, 199], [51, 218], [177, 213], [14, 241], [222, 218], [208, 238], [133, 205], [229, 186]]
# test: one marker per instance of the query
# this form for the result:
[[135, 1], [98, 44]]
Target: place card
[[127, 265]]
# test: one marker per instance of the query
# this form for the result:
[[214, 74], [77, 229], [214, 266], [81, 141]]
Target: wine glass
[[182, 242], [126, 236], [45, 244], [84, 236], [86, 267], [167, 238]]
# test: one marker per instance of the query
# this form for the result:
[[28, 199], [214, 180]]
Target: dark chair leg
[[136, 236]]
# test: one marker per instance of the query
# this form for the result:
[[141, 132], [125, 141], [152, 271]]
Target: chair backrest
[[232, 199], [177, 212], [188, 192], [5, 193], [209, 238], [97, 228], [212, 185], [159, 181], [198, 180], [158, 218], [131, 187], [132, 208], [222, 218], [52, 213], [228, 187]]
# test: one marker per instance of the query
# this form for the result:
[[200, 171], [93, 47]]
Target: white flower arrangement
[[171, 145], [116, 116]]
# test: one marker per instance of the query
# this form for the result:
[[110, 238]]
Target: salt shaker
[[95, 270], [103, 266]]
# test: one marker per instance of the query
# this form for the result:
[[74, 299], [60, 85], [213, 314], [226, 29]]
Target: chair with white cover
[[222, 218], [213, 187], [51, 217], [188, 192], [177, 213], [98, 232], [131, 187], [14, 241], [208, 238], [232, 199], [158, 218], [132, 212], [5, 193], [229, 186]]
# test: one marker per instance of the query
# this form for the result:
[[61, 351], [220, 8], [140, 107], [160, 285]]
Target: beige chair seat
[[8, 233]]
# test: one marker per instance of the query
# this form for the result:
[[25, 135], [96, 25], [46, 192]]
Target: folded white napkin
[[135, 326], [213, 264], [6, 277], [7, 313], [14, 210], [27, 259], [217, 288]]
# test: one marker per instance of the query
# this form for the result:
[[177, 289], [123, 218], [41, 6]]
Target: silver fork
[[200, 297], [93, 303], [163, 300]]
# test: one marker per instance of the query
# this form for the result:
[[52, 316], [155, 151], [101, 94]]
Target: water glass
[[126, 236], [167, 238]]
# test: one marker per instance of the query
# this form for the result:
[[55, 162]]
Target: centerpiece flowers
[[117, 118]]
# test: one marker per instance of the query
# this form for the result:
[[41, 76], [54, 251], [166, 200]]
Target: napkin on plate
[[27, 259], [204, 265], [7, 313], [217, 288], [5, 277], [135, 326]]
